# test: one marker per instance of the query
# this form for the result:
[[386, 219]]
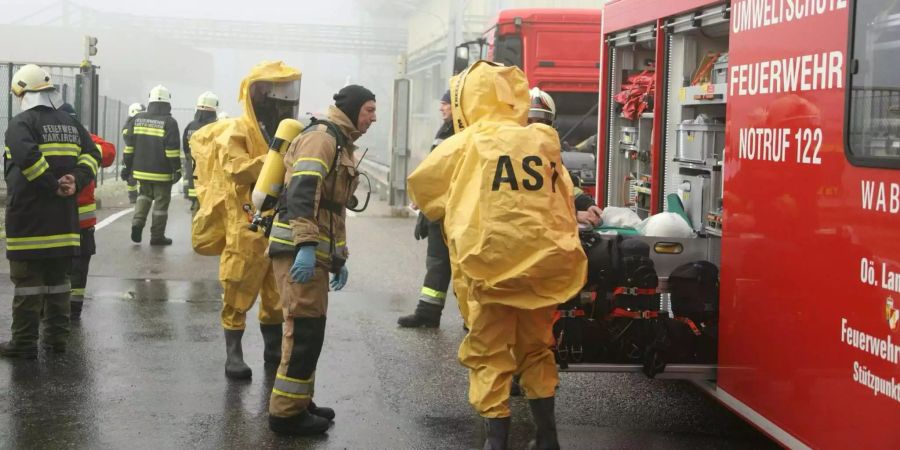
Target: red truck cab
[[559, 51]]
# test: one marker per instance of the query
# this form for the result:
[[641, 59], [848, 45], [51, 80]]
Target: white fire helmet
[[30, 78], [134, 109], [543, 108], [208, 101], [160, 94]]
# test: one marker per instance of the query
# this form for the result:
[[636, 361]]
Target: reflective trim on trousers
[[432, 296], [78, 292], [158, 212], [41, 290], [293, 387], [173, 153], [150, 176]]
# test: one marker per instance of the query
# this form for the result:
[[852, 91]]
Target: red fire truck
[[777, 124], [540, 42]]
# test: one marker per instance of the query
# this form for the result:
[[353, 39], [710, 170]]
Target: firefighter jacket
[[42, 145], [201, 118], [87, 206], [322, 178], [504, 196], [443, 133], [153, 145], [128, 123]]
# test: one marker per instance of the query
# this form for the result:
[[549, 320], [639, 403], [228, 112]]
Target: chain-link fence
[[111, 113], [111, 116]]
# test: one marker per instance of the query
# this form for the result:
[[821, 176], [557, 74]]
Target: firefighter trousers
[[132, 189], [40, 285], [504, 341], [81, 264], [437, 266], [240, 295], [305, 307], [158, 195]]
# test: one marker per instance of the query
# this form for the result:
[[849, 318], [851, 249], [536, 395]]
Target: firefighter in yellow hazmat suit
[[229, 156], [509, 222]]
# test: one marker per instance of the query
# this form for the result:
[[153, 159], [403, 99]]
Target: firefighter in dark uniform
[[127, 177], [153, 156], [437, 262], [49, 157], [207, 105]]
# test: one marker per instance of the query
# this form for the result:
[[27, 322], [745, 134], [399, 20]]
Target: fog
[[194, 46]]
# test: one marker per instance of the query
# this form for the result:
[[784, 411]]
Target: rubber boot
[[426, 315], [234, 362], [136, 233], [496, 433], [57, 313], [161, 241], [542, 410], [303, 424], [11, 350], [272, 339], [321, 411], [76, 307]]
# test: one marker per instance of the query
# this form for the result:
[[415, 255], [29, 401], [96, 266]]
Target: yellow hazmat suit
[[509, 221], [237, 148]]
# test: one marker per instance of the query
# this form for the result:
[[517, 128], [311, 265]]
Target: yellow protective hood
[[505, 199], [489, 91], [274, 71]]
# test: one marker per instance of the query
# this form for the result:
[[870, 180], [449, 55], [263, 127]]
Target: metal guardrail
[[379, 173]]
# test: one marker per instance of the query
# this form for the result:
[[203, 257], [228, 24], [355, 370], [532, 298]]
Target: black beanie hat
[[350, 100]]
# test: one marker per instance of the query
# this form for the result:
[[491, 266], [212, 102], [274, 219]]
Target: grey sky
[[260, 10]]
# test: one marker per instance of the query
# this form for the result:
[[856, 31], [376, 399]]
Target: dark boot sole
[[239, 374], [136, 235], [286, 428], [417, 324], [19, 355]]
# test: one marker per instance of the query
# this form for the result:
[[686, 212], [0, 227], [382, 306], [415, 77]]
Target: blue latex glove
[[304, 264], [339, 280]]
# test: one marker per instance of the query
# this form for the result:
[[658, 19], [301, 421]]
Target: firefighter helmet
[[134, 109], [160, 94], [208, 101], [543, 108], [30, 78]]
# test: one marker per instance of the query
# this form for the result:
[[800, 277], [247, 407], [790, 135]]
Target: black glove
[[125, 174], [421, 231], [176, 175]]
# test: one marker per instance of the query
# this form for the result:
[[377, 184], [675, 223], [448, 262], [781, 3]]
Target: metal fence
[[111, 113]]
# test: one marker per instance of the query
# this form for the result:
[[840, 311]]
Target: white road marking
[[113, 218]]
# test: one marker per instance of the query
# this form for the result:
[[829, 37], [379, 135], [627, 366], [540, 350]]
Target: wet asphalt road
[[145, 366]]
